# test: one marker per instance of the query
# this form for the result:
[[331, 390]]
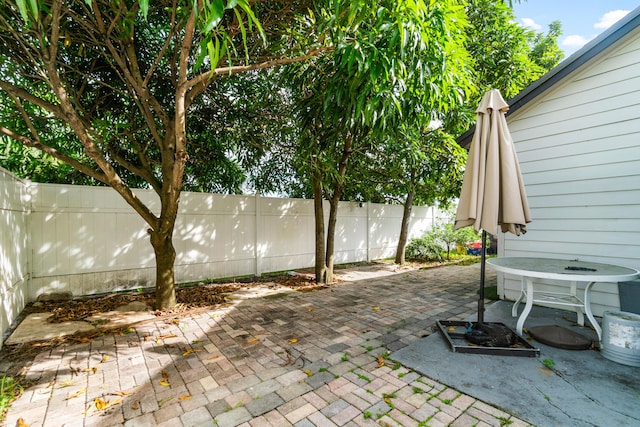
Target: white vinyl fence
[[87, 240], [14, 247]]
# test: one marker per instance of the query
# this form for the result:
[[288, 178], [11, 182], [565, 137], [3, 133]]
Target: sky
[[582, 20]]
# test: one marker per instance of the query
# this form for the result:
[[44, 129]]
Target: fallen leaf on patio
[[376, 308], [165, 383], [104, 404], [184, 397], [162, 402], [64, 384], [214, 357], [100, 404], [380, 361], [387, 400], [164, 337], [451, 328], [104, 358], [21, 423], [252, 340], [310, 309], [308, 372], [77, 393], [188, 352], [122, 393], [293, 340], [135, 405]]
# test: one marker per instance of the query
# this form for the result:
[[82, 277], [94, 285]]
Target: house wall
[[87, 240], [14, 241], [579, 151]]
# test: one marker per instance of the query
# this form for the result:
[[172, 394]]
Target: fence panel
[[87, 240]]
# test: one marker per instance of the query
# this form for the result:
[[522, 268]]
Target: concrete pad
[[582, 388], [35, 327]]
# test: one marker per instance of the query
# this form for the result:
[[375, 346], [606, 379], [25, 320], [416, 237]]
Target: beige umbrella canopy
[[492, 189]]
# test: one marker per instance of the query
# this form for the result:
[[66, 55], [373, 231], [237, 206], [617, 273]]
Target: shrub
[[425, 248]]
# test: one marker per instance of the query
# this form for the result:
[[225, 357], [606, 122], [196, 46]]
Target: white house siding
[[579, 149]]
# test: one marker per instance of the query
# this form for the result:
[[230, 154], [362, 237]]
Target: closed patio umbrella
[[492, 189]]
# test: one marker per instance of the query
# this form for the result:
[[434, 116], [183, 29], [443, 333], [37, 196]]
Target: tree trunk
[[165, 257], [404, 228], [338, 187], [321, 268], [331, 236]]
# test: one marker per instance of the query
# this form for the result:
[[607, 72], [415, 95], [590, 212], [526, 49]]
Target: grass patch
[[10, 390], [491, 292]]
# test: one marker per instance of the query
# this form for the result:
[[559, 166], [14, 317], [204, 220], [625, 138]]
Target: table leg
[[514, 309], [587, 309], [579, 310], [527, 306]]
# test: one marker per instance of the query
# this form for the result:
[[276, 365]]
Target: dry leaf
[[380, 361], [122, 393], [21, 423], [308, 372], [185, 397], [252, 340], [164, 337], [104, 404], [84, 340], [63, 384], [376, 308], [77, 393], [94, 369], [100, 404], [451, 328], [189, 351], [293, 340], [162, 402], [310, 309], [104, 358], [165, 379], [387, 400], [135, 405]]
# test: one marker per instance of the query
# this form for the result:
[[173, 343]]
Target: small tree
[[452, 238], [441, 237]]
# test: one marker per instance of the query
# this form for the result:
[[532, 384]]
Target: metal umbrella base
[[455, 332]]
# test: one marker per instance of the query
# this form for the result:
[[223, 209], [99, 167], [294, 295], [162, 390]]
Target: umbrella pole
[[483, 259]]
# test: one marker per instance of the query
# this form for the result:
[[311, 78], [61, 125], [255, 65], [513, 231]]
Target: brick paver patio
[[294, 358]]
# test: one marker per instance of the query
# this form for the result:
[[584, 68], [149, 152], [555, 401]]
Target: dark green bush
[[425, 248]]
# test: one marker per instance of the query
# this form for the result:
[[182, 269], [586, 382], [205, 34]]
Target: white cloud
[[574, 41], [610, 18], [530, 23]]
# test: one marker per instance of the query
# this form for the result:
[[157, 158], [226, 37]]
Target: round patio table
[[572, 271]]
